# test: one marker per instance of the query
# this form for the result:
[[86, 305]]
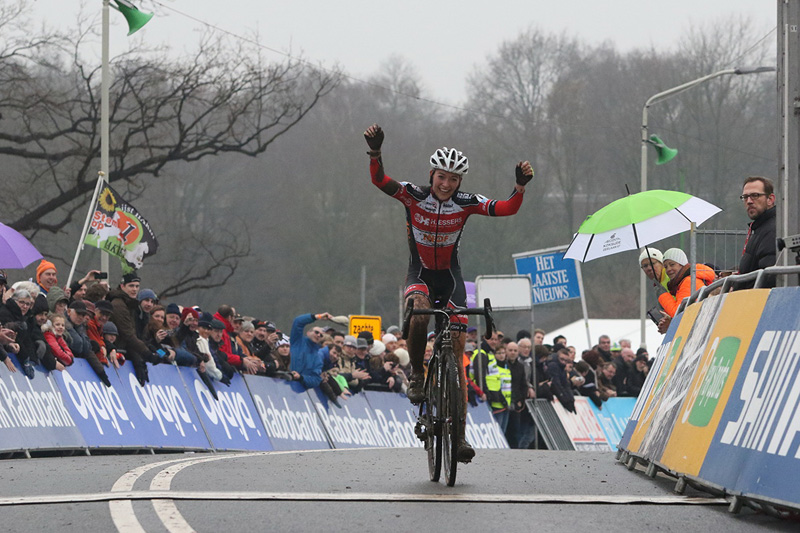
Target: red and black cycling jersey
[[435, 227]]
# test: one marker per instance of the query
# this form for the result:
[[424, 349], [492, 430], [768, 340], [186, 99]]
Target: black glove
[[376, 140], [141, 374], [27, 368], [104, 378], [522, 178]]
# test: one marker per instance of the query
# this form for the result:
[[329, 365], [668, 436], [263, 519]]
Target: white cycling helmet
[[450, 160]]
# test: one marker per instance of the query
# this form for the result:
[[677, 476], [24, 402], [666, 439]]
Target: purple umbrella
[[15, 250]]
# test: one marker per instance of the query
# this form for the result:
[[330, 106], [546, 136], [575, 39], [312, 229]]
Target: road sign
[[553, 278]]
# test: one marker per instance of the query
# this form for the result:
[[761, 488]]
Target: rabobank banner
[[32, 413], [396, 418], [353, 425], [288, 414], [231, 421], [176, 410], [482, 430]]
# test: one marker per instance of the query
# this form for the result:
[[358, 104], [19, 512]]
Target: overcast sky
[[444, 39]]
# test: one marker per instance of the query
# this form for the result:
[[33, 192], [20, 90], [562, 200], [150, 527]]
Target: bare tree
[[224, 99]]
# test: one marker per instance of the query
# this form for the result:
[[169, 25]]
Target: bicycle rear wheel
[[450, 415], [433, 441]]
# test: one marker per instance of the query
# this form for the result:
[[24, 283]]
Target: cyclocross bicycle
[[440, 413]]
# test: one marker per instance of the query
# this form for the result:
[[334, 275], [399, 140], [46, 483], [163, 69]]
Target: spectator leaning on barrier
[[172, 316], [560, 384], [306, 366], [605, 381], [202, 343], [759, 246], [53, 331], [624, 369], [78, 339], [638, 375], [14, 315], [225, 314], [680, 282], [356, 377], [126, 306], [94, 329]]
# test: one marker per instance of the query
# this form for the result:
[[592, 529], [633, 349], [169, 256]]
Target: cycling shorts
[[442, 288]]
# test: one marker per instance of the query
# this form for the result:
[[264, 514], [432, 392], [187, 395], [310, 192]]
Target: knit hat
[[388, 338], [654, 254], [377, 348], [173, 309], [677, 255], [205, 320], [109, 328], [403, 356], [188, 311], [145, 294], [394, 330], [44, 265]]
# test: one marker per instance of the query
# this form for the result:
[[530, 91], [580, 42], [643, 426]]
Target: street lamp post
[[660, 97]]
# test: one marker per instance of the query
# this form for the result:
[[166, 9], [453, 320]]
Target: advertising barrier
[[105, 416], [33, 415], [723, 408], [176, 410], [288, 414], [613, 418], [232, 421], [756, 447]]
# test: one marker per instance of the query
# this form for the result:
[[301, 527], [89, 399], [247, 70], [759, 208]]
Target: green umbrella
[[637, 220]]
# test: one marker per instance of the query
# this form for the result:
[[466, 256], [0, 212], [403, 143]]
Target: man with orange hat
[[46, 276]]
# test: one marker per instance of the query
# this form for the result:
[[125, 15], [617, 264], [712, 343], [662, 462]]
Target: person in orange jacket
[[679, 287]]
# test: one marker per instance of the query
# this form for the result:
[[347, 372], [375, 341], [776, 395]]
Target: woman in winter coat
[[680, 282]]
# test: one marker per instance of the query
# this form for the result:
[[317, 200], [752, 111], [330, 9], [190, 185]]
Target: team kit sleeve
[[497, 208]]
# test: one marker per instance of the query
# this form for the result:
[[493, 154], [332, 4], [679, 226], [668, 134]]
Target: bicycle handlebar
[[486, 311]]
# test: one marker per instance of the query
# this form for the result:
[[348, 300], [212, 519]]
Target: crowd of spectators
[[505, 372], [42, 323]]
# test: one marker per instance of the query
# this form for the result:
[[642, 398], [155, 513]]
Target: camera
[[792, 242], [101, 275]]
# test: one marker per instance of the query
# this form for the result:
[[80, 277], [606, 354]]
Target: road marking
[[122, 513], [358, 497]]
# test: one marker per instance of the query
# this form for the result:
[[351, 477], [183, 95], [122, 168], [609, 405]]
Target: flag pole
[[92, 205], [105, 82]]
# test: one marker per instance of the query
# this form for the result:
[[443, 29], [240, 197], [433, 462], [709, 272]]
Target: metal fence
[[720, 248]]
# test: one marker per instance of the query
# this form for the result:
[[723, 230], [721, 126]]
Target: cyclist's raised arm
[[374, 137], [504, 208]]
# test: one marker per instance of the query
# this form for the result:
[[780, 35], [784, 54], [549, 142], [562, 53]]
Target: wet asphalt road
[[361, 490]]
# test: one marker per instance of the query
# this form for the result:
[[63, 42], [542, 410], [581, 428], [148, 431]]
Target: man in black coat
[[759, 202]]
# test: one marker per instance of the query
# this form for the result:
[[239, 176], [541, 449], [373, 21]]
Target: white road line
[[121, 511], [166, 510], [359, 497]]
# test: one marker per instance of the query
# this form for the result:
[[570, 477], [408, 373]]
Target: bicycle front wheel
[[433, 441], [450, 414]]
